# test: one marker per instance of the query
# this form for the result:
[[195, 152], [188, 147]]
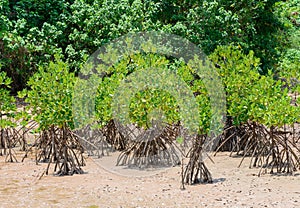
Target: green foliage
[[93, 23], [50, 95], [4, 20], [238, 73], [7, 103], [251, 96], [29, 37], [270, 104], [288, 12], [36, 13], [144, 101], [289, 68], [152, 103], [196, 84], [33, 31], [252, 25]]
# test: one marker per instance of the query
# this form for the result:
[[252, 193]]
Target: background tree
[[33, 31]]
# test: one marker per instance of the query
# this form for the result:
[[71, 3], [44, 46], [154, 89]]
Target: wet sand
[[103, 186]]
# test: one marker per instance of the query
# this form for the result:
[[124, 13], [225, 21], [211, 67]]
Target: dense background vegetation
[[31, 31]]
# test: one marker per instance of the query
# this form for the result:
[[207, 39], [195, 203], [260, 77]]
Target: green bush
[[50, 95], [7, 103], [251, 96]]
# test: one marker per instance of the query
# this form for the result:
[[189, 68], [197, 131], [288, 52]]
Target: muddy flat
[[21, 185]]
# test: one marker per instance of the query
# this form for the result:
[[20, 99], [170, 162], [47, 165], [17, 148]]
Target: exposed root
[[61, 147], [231, 138], [148, 150], [196, 171], [274, 150], [114, 137], [93, 141], [8, 140]]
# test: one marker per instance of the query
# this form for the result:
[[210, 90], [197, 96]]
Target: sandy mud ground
[[20, 186]]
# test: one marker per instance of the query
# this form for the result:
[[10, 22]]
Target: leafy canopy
[[50, 95]]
